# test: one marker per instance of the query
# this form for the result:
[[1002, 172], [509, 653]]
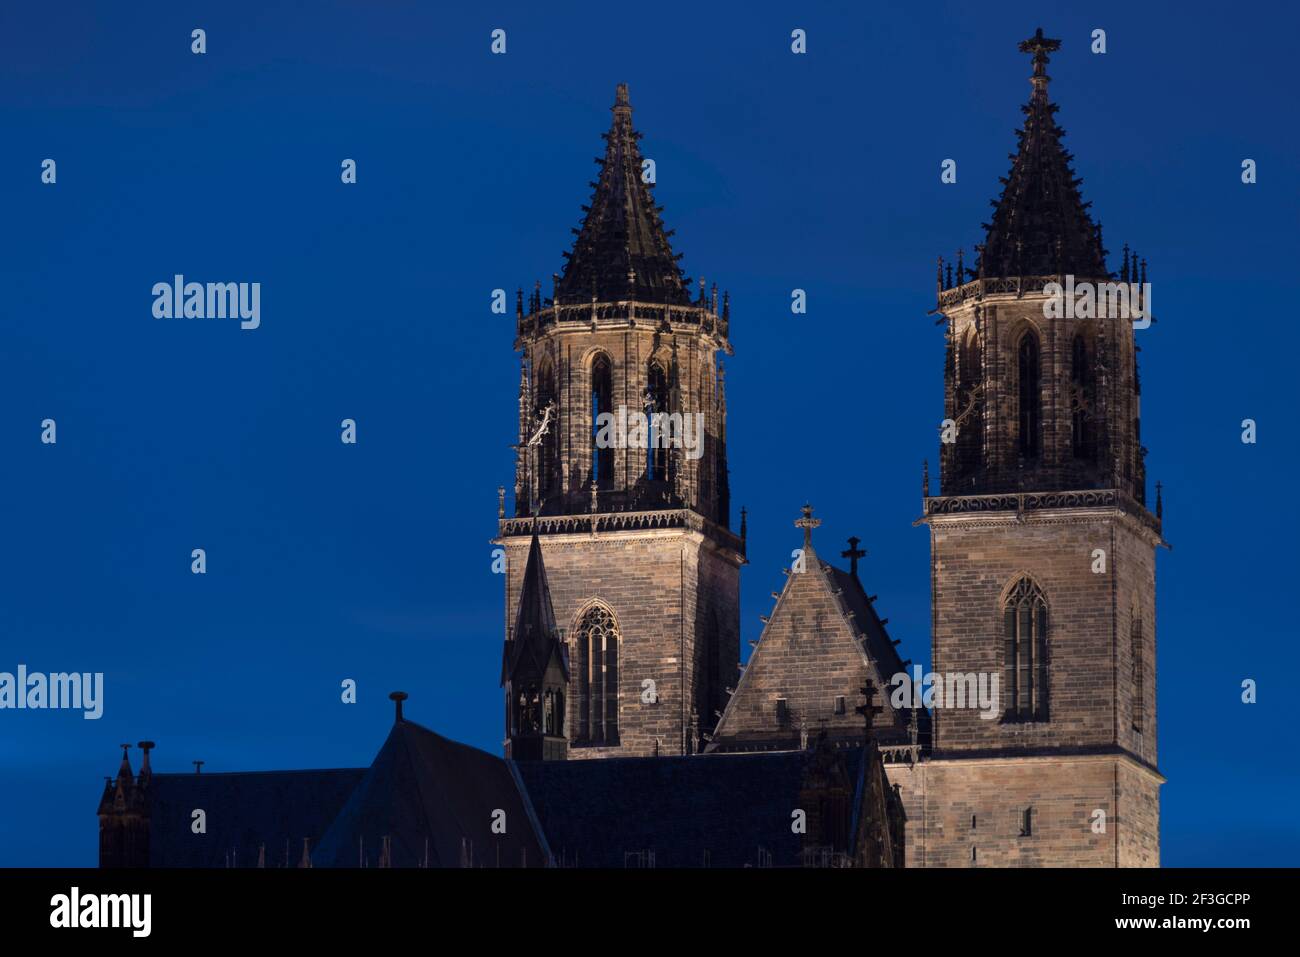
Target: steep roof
[[244, 812], [436, 801], [730, 805], [1041, 225], [822, 641], [622, 251]]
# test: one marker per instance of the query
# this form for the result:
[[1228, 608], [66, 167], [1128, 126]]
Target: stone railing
[[1001, 286], [621, 522], [1038, 501], [623, 313]]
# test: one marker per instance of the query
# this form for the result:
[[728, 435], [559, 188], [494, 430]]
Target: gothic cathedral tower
[[621, 470], [1042, 547]]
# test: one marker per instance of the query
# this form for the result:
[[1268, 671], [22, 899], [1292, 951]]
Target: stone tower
[[1042, 547], [621, 469]]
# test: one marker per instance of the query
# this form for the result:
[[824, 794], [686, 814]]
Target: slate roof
[[622, 252], [879, 646], [434, 798], [244, 811], [594, 813]]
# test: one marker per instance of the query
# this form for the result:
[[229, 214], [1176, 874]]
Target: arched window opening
[[1083, 398], [658, 460], [548, 451], [602, 440], [969, 404], [1030, 396], [597, 647], [1024, 681]]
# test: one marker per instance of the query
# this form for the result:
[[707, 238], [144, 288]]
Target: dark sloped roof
[[622, 251], [431, 795], [244, 811], [880, 646], [1041, 224], [729, 805]]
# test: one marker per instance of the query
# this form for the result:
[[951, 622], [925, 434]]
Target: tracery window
[[597, 640], [1024, 680]]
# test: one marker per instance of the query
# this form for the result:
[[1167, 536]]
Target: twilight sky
[[777, 171]]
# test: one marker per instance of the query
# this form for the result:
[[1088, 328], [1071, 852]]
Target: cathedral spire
[[531, 642], [1041, 225], [535, 670], [622, 250]]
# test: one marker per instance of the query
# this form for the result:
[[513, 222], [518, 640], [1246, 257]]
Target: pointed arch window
[[602, 403], [658, 461], [597, 647], [548, 452], [1083, 397], [1024, 676], [968, 412], [1030, 396]]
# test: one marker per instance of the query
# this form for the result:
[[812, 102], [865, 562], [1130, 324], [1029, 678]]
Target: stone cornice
[[645, 316], [984, 511], [648, 524], [1011, 287]]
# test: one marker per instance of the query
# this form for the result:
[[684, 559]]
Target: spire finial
[[622, 102], [807, 523], [1040, 46], [397, 697]]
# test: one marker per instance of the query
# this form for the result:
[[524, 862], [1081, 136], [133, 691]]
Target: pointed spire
[[531, 640], [1040, 206], [622, 251]]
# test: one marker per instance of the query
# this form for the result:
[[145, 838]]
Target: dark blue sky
[[777, 171]]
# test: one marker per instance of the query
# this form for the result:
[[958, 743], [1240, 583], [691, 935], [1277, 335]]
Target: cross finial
[[853, 554], [807, 523], [867, 709], [197, 765], [1040, 46]]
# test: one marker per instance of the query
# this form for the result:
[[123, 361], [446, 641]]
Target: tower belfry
[[621, 466], [1042, 548]]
